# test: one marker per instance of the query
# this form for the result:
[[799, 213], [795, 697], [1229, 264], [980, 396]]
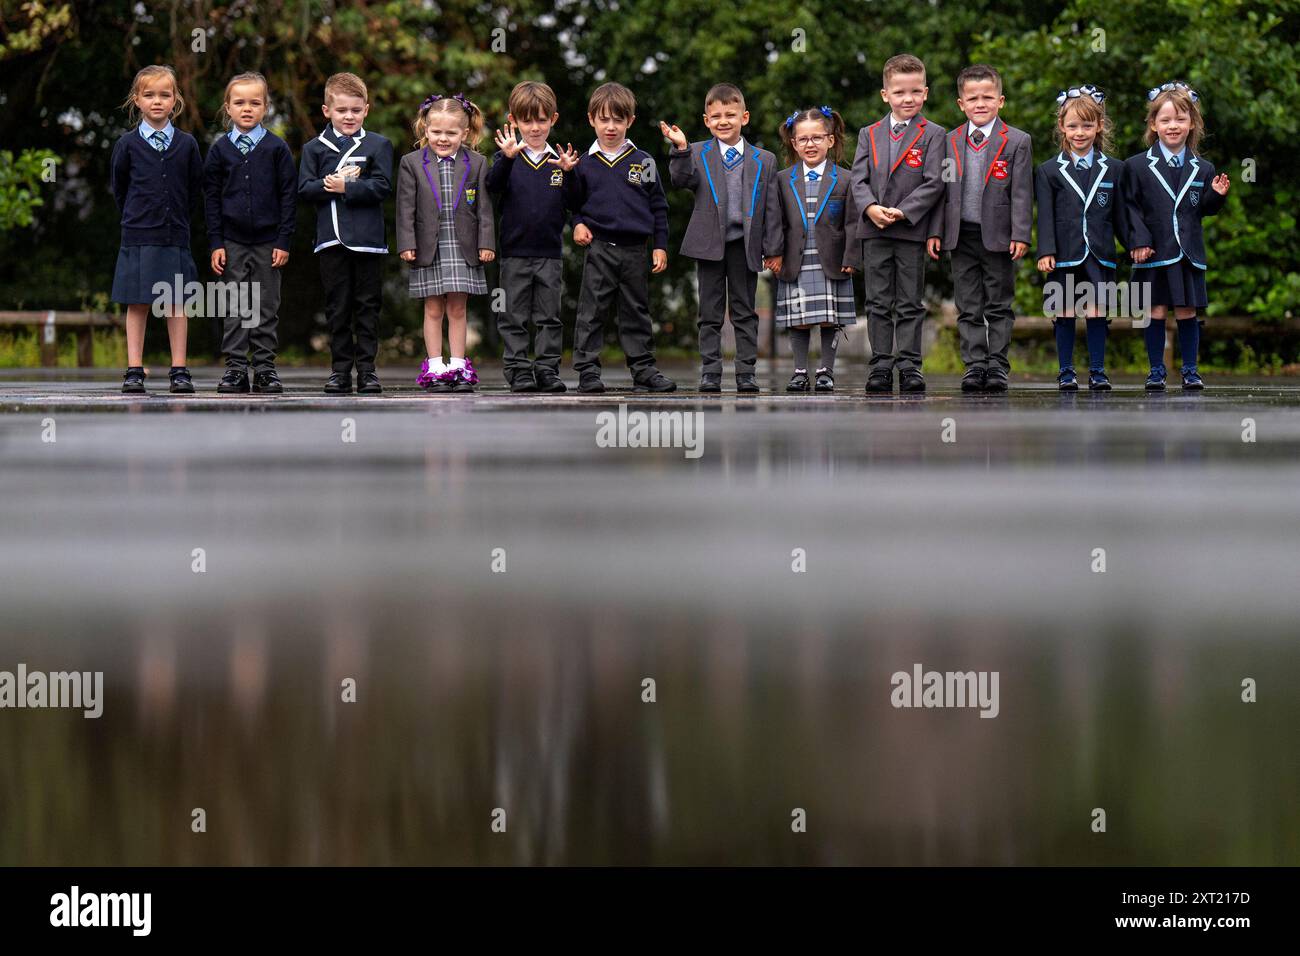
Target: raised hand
[[568, 157], [673, 134], [507, 140], [1220, 184]]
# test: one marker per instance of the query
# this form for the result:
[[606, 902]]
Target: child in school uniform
[[528, 180], [618, 203], [1165, 193], [986, 225], [729, 231], [251, 188], [820, 247], [445, 231], [1076, 192], [898, 186], [156, 174], [347, 172]]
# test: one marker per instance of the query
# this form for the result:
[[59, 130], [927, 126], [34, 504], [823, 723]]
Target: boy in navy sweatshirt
[[528, 180], [251, 191], [348, 173], [618, 204]]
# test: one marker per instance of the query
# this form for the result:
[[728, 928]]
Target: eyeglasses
[[810, 140], [1075, 92], [1167, 87]]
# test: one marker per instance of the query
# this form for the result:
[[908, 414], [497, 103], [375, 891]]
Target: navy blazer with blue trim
[[835, 223], [699, 167], [1154, 214], [1077, 219]]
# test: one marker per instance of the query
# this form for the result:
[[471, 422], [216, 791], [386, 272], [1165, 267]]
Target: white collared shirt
[[894, 120], [596, 148], [536, 158], [819, 169], [987, 129], [739, 146], [337, 135], [168, 131]]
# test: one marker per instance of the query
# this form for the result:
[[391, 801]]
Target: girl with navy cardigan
[[1165, 193], [1075, 191], [156, 174]]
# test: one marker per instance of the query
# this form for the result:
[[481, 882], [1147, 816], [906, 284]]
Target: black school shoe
[[880, 381], [182, 384], [747, 384], [995, 380], [267, 382], [1098, 380], [911, 380], [523, 381], [825, 380], [133, 380], [711, 382], [368, 383], [658, 382], [1067, 381], [973, 380], [548, 381], [339, 383], [234, 382], [798, 381], [589, 383]]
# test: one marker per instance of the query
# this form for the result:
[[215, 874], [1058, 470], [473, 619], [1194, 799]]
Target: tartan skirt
[[449, 271], [816, 298]]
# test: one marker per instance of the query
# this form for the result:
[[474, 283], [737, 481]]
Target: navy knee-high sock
[[1155, 339], [799, 339], [1189, 340], [1065, 342], [1096, 345]]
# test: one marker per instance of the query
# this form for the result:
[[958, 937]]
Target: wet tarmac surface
[[500, 587]]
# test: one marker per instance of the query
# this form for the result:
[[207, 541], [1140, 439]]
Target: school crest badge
[[1103, 198], [913, 157], [999, 169], [834, 208], [470, 195], [634, 171], [557, 177], [1194, 197]]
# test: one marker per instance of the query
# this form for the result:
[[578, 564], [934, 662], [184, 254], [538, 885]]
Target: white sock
[[457, 362], [436, 365]]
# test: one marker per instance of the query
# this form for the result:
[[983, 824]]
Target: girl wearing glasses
[[813, 201]]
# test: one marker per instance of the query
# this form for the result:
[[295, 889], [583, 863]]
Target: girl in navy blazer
[[1076, 191], [445, 231], [156, 177], [1165, 193]]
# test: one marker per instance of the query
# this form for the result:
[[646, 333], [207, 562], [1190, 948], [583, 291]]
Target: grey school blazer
[[1007, 202], [699, 168], [835, 223], [418, 199], [912, 183]]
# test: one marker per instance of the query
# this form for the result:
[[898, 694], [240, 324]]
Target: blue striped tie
[[244, 143], [159, 140]]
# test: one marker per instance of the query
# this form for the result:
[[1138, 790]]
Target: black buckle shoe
[[798, 381], [973, 380], [589, 383], [267, 382], [880, 381], [911, 380], [747, 384], [133, 381], [711, 382], [658, 382], [234, 382], [339, 383], [182, 384], [825, 380], [548, 381]]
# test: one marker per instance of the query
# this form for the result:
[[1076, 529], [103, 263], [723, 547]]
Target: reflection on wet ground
[[381, 560]]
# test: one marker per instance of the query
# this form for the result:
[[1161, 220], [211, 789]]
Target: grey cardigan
[[418, 206]]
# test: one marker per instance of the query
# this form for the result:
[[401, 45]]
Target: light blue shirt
[[168, 132], [1086, 157], [255, 134], [1181, 154]]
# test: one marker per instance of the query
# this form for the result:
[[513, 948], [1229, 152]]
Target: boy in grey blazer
[[898, 186], [986, 225], [729, 232]]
